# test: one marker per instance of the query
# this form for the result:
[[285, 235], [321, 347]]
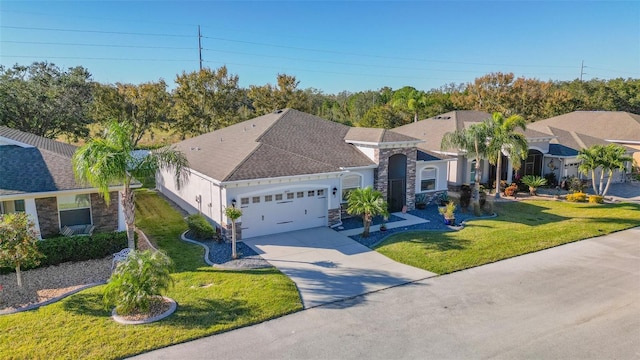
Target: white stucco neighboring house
[[36, 177], [290, 170]]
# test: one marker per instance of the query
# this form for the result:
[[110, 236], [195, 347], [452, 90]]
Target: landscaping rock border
[[122, 320]]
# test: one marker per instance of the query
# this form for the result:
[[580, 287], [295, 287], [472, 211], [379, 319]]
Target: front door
[[396, 194]]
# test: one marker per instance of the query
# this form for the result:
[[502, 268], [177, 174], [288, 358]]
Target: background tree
[[45, 100], [207, 100], [503, 139], [410, 100], [105, 161], [233, 214], [267, 98], [18, 242], [472, 142], [383, 116], [367, 203], [145, 106]]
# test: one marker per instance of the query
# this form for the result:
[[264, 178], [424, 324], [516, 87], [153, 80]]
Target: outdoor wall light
[[335, 190], [233, 202]]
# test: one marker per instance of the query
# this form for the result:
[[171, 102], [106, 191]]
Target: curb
[[123, 321], [206, 248]]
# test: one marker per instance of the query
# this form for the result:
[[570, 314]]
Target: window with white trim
[[350, 183], [428, 178], [74, 210], [13, 206]]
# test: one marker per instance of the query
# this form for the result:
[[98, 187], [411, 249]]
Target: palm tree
[[615, 158], [367, 203], [590, 159], [108, 160], [415, 102], [473, 142], [504, 139]]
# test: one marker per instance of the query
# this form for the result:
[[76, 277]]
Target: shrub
[[596, 199], [137, 280], [551, 179], [511, 190], [577, 197], [576, 185], [200, 227], [62, 249], [465, 196]]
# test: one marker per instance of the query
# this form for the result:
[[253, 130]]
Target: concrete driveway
[[576, 301], [328, 266]]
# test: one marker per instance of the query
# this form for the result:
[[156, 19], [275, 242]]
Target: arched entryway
[[533, 164], [397, 176]]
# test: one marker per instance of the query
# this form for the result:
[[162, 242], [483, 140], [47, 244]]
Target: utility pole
[[582, 70], [200, 46]]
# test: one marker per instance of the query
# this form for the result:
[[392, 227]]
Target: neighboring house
[[36, 177], [289, 170], [553, 143], [582, 129]]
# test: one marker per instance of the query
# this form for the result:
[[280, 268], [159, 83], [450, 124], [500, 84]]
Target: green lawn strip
[[520, 228], [209, 301]]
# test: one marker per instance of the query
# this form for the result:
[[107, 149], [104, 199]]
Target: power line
[[93, 31], [94, 58], [97, 45]]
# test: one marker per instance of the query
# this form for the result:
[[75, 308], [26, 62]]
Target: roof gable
[[606, 125]]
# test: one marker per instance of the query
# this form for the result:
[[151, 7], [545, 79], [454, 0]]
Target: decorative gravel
[[220, 255], [356, 222], [43, 284], [430, 213]]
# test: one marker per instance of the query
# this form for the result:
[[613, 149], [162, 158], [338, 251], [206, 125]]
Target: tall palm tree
[[367, 203], [473, 142], [590, 159], [108, 160], [615, 158], [504, 139], [415, 102]]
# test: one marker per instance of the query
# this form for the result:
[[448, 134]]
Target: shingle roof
[[371, 135], [606, 125], [42, 168], [284, 143]]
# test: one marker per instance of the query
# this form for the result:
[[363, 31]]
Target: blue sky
[[331, 46]]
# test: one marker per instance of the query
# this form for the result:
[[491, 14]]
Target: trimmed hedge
[[200, 227], [62, 249], [577, 197], [596, 199]]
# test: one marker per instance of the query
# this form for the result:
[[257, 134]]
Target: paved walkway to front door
[[328, 266]]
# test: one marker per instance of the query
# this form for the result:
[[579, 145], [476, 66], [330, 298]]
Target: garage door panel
[[293, 211]]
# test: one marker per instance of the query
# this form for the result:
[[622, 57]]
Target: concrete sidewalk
[[328, 266]]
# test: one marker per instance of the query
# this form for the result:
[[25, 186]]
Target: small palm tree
[[233, 214], [367, 203], [589, 161], [137, 280], [533, 182], [108, 160], [609, 158]]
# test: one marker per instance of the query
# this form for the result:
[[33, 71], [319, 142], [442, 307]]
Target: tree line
[[45, 100]]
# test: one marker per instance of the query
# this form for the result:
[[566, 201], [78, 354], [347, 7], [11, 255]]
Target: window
[[278, 197], [321, 192], [244, 201], [300, 194], [349, 183], [428, 179], [268, 198], [311, 193], [289, 196], [8, 207], [255, 199], [74, 210], [472, 173]]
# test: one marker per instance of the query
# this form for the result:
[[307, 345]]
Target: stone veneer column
[[105, 216], [381, 175], [335, 216], [47, 209]]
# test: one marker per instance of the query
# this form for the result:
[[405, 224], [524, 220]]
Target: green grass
[[520, 228], [209, 301]]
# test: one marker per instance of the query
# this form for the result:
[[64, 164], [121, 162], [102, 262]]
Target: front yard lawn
[[520, 228], [209, 301]]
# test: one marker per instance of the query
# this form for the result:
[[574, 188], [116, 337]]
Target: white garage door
[[276, 212]]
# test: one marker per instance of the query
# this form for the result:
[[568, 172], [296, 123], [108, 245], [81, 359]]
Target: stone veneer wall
[[433, 197], [105, 217], [335, 216], [381, 174], [226, 231], [47, 209]]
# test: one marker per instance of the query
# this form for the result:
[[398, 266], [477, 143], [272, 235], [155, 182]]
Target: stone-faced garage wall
[[105, 218]]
